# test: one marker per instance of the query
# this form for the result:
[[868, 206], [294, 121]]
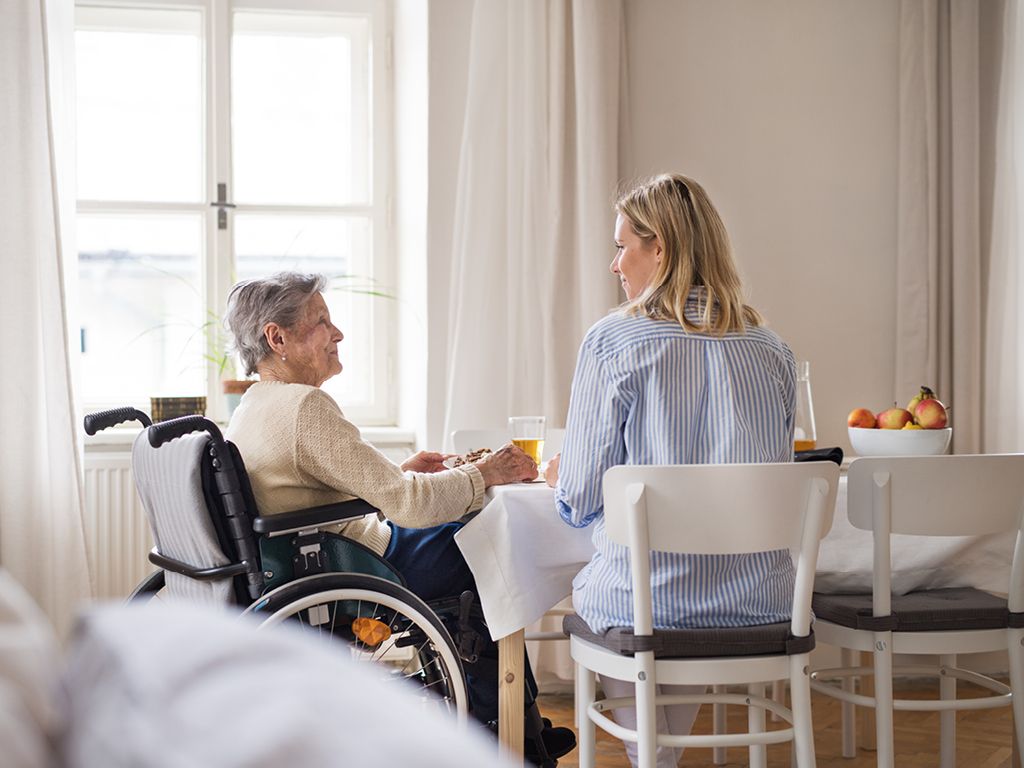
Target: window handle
[[222, 206]]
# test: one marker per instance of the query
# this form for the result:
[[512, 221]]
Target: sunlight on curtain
[[1004, 347], [533, 221], [42, 542]]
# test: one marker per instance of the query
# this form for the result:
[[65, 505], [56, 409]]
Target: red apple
[[894, 418], [862, 418], [930, 414]]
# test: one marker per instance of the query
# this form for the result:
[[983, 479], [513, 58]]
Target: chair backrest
[[963, 495], [938, 495], [197, 498], [466, 440], [721, 509], [169, 482]]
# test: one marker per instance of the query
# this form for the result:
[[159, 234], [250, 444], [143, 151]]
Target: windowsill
[[121, 438]]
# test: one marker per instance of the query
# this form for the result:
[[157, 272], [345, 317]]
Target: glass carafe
[[805, 437]]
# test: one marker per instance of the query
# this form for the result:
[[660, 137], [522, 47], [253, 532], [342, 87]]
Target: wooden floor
[[983, 738]]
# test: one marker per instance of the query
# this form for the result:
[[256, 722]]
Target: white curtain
[[1004, 348], [939, 297], [42, 542], [533, 223]]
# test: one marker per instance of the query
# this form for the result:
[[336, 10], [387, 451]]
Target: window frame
[[218, 256]]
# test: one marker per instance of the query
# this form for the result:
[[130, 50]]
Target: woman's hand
[[551, 471], [508, 465], [426, 461]]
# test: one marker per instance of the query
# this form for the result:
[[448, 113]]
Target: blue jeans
[[433, 567]]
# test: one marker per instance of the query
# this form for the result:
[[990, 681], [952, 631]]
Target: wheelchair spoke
[[394, 632]]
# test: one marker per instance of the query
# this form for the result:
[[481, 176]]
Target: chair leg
[[755, 724], [1016, 655], [779, 697], [585, 695], [800, 706], [848, 710], [720, 725], [883, 700], [947, 720], [646, 712]]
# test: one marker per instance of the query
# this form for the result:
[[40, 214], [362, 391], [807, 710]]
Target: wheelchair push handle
[[97, 422], [165, 431]]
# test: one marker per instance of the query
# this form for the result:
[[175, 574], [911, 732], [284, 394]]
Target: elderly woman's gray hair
[[276, 299]]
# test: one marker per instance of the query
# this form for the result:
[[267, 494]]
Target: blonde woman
[[684, 372]]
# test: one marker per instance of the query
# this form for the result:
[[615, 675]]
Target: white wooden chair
[[927, 496], [707, 509]]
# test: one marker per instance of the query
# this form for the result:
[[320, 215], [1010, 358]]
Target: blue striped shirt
[[648, 392]]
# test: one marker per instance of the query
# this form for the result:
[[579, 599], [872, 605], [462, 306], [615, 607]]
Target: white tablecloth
[[524, 556]]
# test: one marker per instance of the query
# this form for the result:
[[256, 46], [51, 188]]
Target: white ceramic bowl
[[899, 442]]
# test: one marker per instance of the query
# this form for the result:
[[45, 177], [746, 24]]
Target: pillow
[[175, 685], [29, 664]]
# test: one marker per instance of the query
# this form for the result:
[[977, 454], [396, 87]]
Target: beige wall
[[787, 112]]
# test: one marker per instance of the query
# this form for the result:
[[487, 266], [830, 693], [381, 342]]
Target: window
[[219, 141]]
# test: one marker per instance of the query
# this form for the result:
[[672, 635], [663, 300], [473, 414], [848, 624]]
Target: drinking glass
[[528, 434], [804, 435]]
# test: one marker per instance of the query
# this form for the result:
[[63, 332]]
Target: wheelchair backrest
[[197, 497], [169, 480]]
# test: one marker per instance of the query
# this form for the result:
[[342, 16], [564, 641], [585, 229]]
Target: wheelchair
[[213, 545]]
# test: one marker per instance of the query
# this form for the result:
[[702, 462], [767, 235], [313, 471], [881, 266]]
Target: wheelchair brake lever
[[469, 640]]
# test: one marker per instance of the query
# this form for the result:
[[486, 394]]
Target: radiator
[[117, 534]]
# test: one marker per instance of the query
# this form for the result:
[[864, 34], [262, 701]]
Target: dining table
[[524, 556]]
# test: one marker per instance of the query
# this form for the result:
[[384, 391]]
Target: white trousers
[[676, 719]]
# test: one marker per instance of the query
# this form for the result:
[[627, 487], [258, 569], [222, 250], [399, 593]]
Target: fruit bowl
[[899, 442]]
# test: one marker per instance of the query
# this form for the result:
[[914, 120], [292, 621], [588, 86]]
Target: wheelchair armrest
[[199, 574], [315, 517]]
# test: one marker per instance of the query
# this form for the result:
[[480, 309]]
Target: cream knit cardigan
[[300, 451]]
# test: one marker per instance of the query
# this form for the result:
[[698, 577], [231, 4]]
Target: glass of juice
[[805, 436], [528, 434]]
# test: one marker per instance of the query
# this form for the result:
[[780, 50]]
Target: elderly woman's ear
[[272, 333]]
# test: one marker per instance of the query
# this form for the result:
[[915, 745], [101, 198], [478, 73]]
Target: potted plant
[[223, 361]]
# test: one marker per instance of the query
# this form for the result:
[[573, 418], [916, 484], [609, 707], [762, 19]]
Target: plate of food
[[472, 457]]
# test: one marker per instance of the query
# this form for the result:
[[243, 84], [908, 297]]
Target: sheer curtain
[[940, 304], [42, 542], [533, 222], [1004, 347]]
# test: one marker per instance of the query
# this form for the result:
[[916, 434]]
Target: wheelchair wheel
[[147, 588], [382, 622]]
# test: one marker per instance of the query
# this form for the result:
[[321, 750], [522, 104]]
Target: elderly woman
[[300, 451], [683, 373]]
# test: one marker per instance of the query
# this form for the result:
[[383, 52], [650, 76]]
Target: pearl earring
[[284, 358]]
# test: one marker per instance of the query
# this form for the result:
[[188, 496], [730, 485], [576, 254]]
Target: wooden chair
[[707, 509], [927, 496]]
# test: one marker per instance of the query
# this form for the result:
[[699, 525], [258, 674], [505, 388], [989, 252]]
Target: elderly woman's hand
[[508, 465], [425, 461]]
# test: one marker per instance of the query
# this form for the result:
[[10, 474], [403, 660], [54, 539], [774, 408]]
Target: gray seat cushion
[[760, 640], [932, 610]]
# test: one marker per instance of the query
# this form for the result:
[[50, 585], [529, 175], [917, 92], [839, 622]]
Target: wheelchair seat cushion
[[169, 482], [716, 642]]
